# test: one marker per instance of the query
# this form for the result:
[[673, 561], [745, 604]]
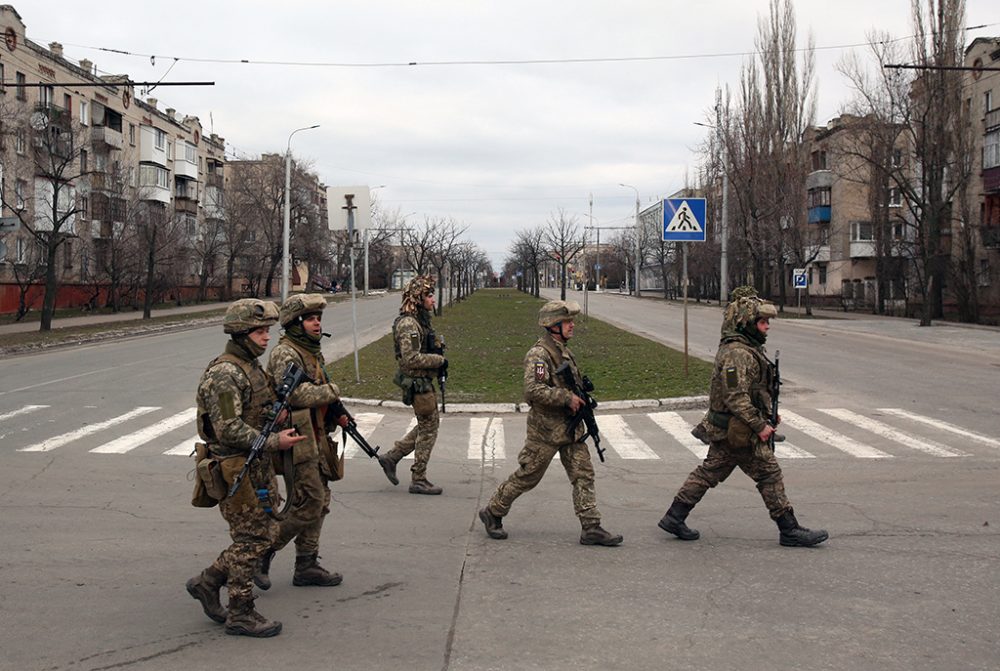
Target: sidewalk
[[90, 320]]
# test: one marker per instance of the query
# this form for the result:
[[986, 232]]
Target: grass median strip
[[487, 336]]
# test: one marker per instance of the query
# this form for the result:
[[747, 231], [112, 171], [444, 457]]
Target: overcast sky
[[497, 147]]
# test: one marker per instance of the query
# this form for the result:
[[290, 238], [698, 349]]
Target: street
[[892, 447]]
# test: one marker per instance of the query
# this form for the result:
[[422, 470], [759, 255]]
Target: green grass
[[487, 337]]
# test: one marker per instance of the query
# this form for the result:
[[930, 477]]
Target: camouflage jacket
[[411, 348], [313, 395], [547, 394], [233, 395], [741, 382]]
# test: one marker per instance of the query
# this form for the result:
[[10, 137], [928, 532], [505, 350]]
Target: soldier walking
[[552, 406], [232, 397], [414, 340], [314, 405], [736, 426]]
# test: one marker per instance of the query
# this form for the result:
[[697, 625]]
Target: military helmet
[[743, 291], [415, 291], [247, 314], [554, 312], [748, 310], [300, 304]]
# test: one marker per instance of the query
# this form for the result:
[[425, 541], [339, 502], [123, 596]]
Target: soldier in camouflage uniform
[[552, 405], [737, 429], [316, 411], [417, 369], [232, 396]]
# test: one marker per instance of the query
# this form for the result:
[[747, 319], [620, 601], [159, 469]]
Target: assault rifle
[[435, 345], [586, 412], [775, 389], [337, 410], [292, 378]]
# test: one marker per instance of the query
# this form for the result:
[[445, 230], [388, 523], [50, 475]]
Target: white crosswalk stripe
[[944, 426], [184, 449], [59, 441], [886, 431], [367, 423], [143, 436], [680, 430], [623, 439], [21, 411], [486, 439], [786, 450], [832, 438]]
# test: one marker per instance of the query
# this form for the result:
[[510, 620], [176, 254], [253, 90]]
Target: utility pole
[[286, 227], [637, 259], [350, 207], [724, 242]]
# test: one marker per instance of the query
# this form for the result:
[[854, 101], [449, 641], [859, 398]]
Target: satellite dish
[[39, 121]]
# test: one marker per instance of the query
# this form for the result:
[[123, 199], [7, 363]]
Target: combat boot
[[205, 587], [493, 524], [673, 521], [244, 620], [261, 577], [793, 535], [596, 535], [424, 486], [388, 465], [309, 572]]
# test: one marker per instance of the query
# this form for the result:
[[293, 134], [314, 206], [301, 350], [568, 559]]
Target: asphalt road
[[99, 537]]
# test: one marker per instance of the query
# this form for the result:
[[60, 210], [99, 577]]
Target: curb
[[679, 403]]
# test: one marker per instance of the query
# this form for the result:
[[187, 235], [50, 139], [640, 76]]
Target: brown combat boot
[[596, 535], [244, 620], [205, 587], [261, 577], [493, 524], [388, 465], [424, 486], [309, 572]]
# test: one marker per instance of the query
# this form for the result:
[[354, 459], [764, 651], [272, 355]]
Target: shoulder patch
[[540, 371], [227, 405], [732, 379], [415, 340]]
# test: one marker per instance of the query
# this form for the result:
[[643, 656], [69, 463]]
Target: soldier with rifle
[[553, 428], [740, 426], [235, 398]]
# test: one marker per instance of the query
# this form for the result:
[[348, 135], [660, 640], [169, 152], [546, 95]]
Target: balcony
[[990, 236], [185, 205], [159, 194], [819, 179], [992, 120], [862, 249], [106, 135], [214, 179], [819, 215], [817, 253]]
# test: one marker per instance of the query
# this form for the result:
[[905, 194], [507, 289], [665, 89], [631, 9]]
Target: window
[[984, 273], [819, 160], [131, 134], [991, 150], [68, 104], [189, 153], [46, 95], [84, 113], [20, 187], [822, 273], [819, 197], [68, 255], [20, 141], [22, 92], [862, 231], [895, 198], [153, 175], [988, 101], [161, 139], [897, 158], [20, 250], [897, 231], [85, 207], [83, 160]]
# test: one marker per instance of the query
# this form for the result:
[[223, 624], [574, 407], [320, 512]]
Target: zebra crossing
[[812, 433]]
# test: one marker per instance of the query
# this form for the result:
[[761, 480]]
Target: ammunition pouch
[[405, 383], [739, 434], [331, 461], [209, 485], [304, 450], [718, 419], [245, 495], [425, 403]]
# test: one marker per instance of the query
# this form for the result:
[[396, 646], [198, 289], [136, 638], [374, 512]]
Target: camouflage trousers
[[421, 438], [253, 532], [760, 465], [533, 460], [310, 506]]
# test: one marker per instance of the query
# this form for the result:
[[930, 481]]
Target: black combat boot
[[388, 465], [792, 535], [244, 620], [261, 577], [673, 521], [596, 535], [493, 524], [205, 587], [309, 572], [424, 486]]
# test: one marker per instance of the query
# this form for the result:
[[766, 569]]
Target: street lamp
[[724, 227], [637, 260], [285, 230]]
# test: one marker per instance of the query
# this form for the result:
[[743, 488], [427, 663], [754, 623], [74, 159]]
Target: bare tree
[[419, 243], [445, 243], [564, 242]]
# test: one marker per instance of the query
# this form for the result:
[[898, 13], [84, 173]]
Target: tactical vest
[[253, 410], [760, 389]]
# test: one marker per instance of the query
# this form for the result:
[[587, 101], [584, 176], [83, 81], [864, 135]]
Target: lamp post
[[724, 227], [285, 230], [637, 259]]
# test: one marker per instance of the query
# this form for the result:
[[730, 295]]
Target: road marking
[[832, 438], [367, 423], [486, 439], [184, 449], [21, 411], [944, 426], [881, 429], [680, 430], [142, 436], [59, 441], [623, 439], [786, 450]]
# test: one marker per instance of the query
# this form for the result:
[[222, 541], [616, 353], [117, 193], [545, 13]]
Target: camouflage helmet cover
[[248, 314], [554, 312], [748, 310], [743, 291], [415, 291], [300, 304]]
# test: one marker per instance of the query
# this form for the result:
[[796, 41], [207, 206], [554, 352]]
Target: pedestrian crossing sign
[[684, 220]]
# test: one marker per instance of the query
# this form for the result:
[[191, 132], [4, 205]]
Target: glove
[[443, 370]]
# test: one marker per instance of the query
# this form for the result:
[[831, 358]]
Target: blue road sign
[[800, 280], [684, 220]]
